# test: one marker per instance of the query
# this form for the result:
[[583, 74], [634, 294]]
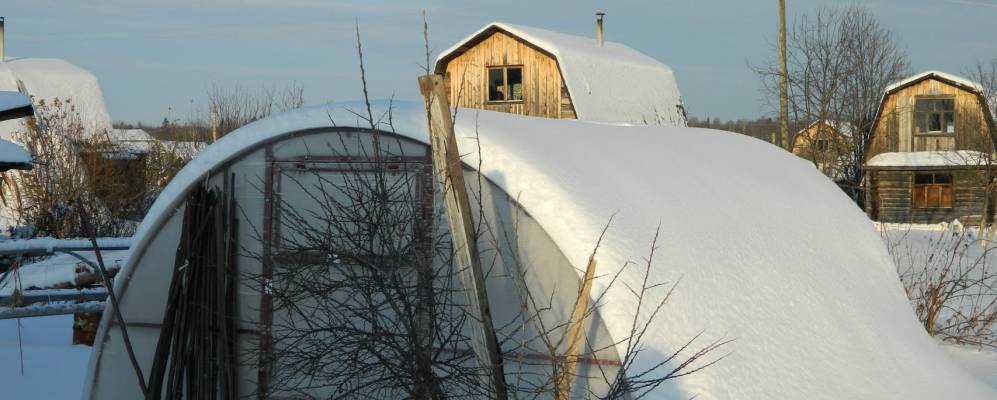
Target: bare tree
[[985, 74], [236, 105], [840, 61]]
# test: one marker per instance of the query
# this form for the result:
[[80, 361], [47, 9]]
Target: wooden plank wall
[[895, 130], [544, 93], [891, 192]]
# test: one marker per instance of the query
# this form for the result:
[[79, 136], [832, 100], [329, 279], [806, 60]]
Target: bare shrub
[[79, 169], [47, 196], [236, 105], [949, 280]]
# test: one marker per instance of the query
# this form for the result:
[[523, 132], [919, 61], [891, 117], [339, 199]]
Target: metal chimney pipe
[[598, 27], [1, 39]]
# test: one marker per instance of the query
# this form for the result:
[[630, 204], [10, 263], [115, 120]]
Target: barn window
[[823, 144], [505, 83], [932, 191], [934, 116]]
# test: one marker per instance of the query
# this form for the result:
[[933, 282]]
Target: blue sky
[[151, 55]]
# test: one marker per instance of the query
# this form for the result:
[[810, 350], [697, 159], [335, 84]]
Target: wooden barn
[[536, 72], [827, 144], [930, 153]]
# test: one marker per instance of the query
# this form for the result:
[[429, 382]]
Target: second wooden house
[[930, 154], [536, 72], [827, 144]]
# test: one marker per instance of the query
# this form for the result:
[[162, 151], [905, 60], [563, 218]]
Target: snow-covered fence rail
[[42, 246], [29, 297], [49, 300], [41, 310]]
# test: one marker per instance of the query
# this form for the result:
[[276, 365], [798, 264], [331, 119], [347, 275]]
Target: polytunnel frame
[[148, 233]]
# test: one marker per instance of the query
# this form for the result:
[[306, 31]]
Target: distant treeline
[[761, 128]]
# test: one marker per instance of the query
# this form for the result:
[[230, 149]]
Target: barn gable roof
[[609, 83], [951, 79]]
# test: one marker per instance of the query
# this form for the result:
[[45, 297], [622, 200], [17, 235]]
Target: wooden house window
[[823, 144], [934, 116], [932, 191], [505, 83]]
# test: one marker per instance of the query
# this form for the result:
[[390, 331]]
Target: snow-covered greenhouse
[[764, 249]]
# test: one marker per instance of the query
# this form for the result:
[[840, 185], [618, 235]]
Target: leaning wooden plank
[[449, 172], [576, 332]]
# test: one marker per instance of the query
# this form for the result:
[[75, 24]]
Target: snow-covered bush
[[78, 170], [949, 276]]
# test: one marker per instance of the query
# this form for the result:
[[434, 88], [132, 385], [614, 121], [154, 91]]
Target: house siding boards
[[889, 195], [544, 92], [891, 199], [897, 116]]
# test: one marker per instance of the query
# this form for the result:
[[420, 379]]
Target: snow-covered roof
[[49, 78], [135, 141], [958, 80], [609, 83], [769, 251], [930, 159], [842, 127], [14, 105]]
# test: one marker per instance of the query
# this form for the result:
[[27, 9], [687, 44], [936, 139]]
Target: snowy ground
[[980, 363], [53, 367]]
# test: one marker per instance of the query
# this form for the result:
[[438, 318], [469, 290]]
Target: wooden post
[[450, 173], [576, 333], [783, 80]]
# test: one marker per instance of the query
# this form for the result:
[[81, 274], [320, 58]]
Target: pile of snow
[[929, 159], [769, 252], [958, 80], [136, 141], [50, 78], [608, 83]]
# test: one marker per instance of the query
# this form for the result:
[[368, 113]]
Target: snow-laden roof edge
[[552, 42], [841, 127], [609, 83], [957, 158], [951, 78], [14, 105], [13, 156]]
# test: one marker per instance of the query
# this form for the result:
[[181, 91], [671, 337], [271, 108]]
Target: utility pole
[[783, 80]]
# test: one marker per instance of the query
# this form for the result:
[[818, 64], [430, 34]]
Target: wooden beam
[[450, 173], [576, 332]]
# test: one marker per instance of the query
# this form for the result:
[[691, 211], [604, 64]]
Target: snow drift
[[769, 251]]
